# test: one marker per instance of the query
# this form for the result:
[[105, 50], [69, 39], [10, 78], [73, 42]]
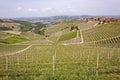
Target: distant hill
[[58, 18]]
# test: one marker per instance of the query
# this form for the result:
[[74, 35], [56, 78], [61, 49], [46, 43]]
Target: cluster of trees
[[41, 32], [33, 27], [5, 28], [74, 28]]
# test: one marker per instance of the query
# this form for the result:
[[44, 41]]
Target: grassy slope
[[65, 26], [37, 62], [13, 39], [7, 49], [68, 36], [4, 35]]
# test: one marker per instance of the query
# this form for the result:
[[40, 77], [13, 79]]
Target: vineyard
[[59, 62], [91, 53], [103, 32]]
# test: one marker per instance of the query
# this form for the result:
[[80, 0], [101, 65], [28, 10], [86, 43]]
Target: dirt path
[[60, 33], [77, 34], [18, 52], [76, 40], [81, 35]]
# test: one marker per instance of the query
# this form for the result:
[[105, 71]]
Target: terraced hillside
[[105, 31], [58, 30], [91, 53]]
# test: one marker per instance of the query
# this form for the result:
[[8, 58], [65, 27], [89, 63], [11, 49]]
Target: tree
[[41, 32]]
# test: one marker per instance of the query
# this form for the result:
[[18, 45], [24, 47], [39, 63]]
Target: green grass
[[71, 63], [68, 36], [53, 38], [7, 49], [14, 39]]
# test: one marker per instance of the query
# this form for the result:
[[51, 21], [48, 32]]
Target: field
[[95, 54], [68, 36], [73, 62], [13, 39], [105, 31]]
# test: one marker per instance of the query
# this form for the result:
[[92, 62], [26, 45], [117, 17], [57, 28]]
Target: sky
[[45, 8]]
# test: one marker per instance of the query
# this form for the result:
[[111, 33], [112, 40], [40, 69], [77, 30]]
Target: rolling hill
[[69, 50]]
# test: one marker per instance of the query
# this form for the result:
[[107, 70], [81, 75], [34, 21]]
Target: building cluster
[[102, 20]]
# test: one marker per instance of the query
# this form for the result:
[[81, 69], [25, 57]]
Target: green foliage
[[38, 28], [40, 25], [25, 28], [14, 39], [71, 24], [25, 23], [5, 28], [41, 32], [28, 26], [68, 36]]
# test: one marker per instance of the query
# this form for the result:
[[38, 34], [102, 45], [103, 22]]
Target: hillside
[[25, 31], [89, 32], [83, 49]]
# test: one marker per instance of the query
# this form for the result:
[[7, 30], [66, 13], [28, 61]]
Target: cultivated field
[[95, 54], [72, 62]]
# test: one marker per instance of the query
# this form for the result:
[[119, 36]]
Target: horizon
[[48, 8], [113, 16]]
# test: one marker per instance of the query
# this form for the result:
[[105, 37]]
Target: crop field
[[58, 62], [8, 49], [94, 54], [102, 32]]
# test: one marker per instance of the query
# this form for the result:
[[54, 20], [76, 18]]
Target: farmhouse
[[103, 20]]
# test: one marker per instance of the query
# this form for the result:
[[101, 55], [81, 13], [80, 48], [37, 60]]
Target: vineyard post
[[118, 58], [6, 63], [6, 66], [18, 61], [97, 63], [32, 57], [26, 63], [88, 62], [54, 63]]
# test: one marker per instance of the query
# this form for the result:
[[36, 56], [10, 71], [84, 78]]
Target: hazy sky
[[42, 8]]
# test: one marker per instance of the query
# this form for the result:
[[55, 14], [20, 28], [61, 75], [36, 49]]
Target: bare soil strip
[[81, 35]]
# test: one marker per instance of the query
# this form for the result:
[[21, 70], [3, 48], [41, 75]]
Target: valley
[[84, 49]]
